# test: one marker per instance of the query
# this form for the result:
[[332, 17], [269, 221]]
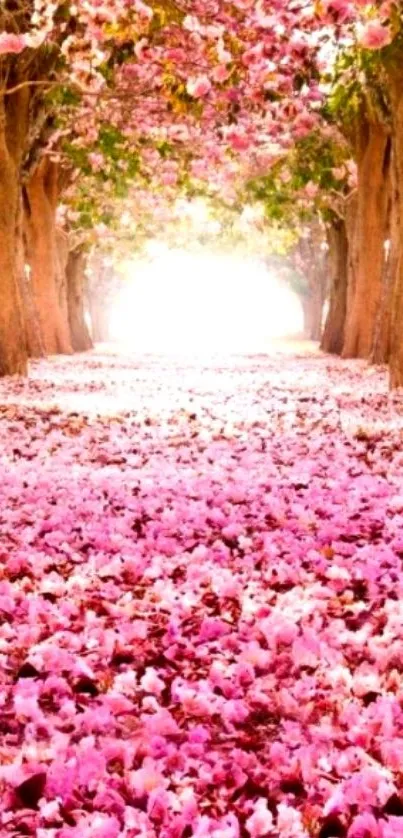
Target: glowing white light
[[252, 214], [197, 303], [126, 220]]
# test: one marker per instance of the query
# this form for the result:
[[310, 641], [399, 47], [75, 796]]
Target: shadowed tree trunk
[[372, 201], [310, 259], [312, 306], [75, 272], [62, 257], [13, 128], [99, 320], [31, 323], [333, 335], [381, 348], [47, 283], [352, 255], [308, 317], [396, 324], [98, 294], [33, 335]]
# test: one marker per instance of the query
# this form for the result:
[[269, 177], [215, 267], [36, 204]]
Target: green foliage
[[77, 156], [62, 96], [358, 89], [313, 160], [165, 13], [392, 55], [165, 149], [86, 212], [110, 142], [63, 12], [121, 163]]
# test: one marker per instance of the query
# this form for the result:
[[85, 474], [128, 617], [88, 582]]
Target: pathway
[[200, 626]]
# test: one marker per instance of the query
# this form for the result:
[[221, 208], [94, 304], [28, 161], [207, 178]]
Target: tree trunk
[[80, 336], [33, 338], [99, 288], [310, 259], [333, 335], [381, 348], [352, 256], [396, 325], [312, 306], [308, 317], [373, 163], [33, 335], [62, 257], [99, 320], [13, 346], [41, 194]]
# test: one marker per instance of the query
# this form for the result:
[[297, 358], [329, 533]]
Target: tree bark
[[99, 320], [30, 320], [373, 164], [312, 306], [396, 324], [333, 335], [98, 293], [352, 258], [33, 335], [381, 348], [310, 260], [41, 194], [62, 257], [13, 345], [80, 336]]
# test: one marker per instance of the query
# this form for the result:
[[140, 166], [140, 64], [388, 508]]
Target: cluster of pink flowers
[[201, 630], [10, 43]]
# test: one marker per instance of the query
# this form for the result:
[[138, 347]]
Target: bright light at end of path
[[181, 302]]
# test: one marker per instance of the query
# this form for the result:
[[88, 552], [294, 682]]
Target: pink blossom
[[392, 828], [198, 87], [151, 683], [342, 10], [98, 826], [365, 826], [169, 178], [146, 779], [11, 43], [97, 161], [261, 822], [289, 822], [50, 811], [311, 190], [200, 625], [221, 73], [374, 35]]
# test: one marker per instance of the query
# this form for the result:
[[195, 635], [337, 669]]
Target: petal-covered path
[[201, 582]]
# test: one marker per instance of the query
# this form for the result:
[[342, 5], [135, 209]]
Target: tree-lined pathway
[[200, 631]]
